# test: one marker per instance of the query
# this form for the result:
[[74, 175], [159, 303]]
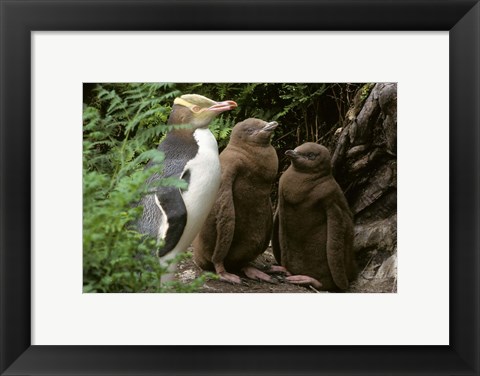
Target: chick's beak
[[270, 126], [223, 106], [291, 154]]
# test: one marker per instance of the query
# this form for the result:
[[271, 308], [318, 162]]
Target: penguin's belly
[[303, 232], [203, 187]]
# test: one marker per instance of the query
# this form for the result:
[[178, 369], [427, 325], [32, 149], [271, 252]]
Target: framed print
[[52, 328], [107, 312]]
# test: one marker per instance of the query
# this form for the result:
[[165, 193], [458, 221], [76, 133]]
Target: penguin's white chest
[[204, 184]]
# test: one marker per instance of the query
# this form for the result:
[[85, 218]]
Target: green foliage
[[121, 127], [221, 129]]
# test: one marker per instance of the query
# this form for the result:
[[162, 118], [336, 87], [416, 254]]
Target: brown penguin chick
[[239, 226], [313, 227]]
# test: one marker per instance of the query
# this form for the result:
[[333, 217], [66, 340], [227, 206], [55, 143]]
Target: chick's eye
[[311, 156], [196, 108], [250, 130]]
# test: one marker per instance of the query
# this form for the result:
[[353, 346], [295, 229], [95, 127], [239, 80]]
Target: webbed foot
[[278, 269], [230, 278], [255, 274], [226, 276], [304, 280]]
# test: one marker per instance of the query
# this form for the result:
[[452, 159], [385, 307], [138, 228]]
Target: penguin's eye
[[196, 108], [250, 130], [311, 156]]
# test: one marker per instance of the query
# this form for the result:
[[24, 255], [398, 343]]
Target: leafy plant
[[121, 127], [221, 129]]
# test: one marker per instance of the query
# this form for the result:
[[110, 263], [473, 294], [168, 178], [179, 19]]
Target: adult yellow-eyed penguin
[[191, 153], [239, 227], [313, 227]]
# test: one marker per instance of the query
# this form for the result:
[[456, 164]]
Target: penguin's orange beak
[[223, 106]]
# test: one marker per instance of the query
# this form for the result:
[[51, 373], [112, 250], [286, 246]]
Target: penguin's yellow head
[[197, 110]]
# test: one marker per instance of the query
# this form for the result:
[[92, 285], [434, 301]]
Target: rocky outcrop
[[365, 165]]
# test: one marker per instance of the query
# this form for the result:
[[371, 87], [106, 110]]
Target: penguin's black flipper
[[165, 214], [172, 212], [335, 246], [170, 202]]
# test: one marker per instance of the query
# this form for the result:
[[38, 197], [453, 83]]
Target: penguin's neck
[[181, 132], [262, 160], [259, 152], [308, 175], [201, 137], [296, 186], [178, 137]]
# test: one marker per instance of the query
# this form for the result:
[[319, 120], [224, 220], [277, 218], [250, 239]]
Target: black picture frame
[[18, 18]]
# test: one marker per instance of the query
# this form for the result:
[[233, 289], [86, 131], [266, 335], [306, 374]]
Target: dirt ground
[[368, 280]]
